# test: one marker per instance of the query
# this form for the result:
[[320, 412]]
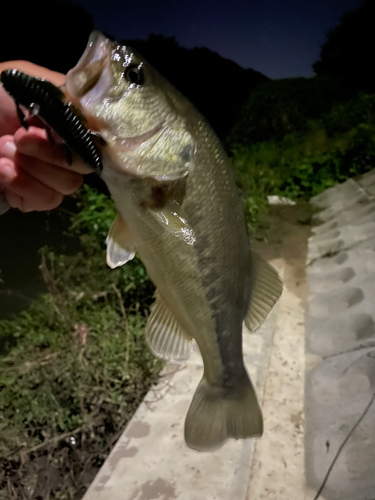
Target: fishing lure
[[44, 99]]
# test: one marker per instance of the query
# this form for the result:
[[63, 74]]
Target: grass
[[75, 364], [304, 164]]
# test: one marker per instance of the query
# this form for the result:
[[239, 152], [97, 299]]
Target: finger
[[14, 200], [3, 140], [36, 196], [34, 142], [57, 178], [9, 122]]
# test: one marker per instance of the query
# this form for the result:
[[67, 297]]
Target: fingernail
[[9, 149]]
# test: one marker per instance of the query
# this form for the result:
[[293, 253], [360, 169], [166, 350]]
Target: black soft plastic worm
[[44, 99]]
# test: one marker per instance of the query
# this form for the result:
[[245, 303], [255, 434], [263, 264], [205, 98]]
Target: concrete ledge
[[277, 471], [340, 328], [337, 392]]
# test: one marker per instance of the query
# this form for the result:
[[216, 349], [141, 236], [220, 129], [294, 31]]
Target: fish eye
[[134, 74]]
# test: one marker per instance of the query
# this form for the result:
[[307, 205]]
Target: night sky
[[280, 38]]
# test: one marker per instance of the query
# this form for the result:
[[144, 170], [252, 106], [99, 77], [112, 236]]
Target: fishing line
[[342, 446]]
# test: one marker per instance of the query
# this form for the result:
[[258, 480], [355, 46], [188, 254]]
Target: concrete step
[[340, 333]]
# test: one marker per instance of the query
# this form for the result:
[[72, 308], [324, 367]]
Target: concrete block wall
[[340, 335]]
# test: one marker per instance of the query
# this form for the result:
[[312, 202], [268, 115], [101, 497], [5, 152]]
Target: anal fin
[[164, 335]]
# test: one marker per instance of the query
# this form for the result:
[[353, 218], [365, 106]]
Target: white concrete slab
[[278, 467], [340, 328]]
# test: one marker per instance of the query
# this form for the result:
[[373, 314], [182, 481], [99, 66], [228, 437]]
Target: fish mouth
[[88, 82], [92, 73]]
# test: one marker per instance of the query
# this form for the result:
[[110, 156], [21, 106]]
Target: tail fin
[[215, 414]]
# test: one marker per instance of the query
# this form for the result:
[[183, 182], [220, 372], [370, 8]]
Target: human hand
[[35, 175]]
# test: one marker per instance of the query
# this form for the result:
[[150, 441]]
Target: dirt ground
[[287, 239]]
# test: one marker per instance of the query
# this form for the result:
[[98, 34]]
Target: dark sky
[[280, 38]]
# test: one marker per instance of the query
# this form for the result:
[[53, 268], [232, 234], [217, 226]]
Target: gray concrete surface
[[340, 332], [345, 216], [340, 317], [277, 470], [151, 460], [337, 392]]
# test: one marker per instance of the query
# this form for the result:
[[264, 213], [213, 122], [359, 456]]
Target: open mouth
[[91, 78], [92, 73]]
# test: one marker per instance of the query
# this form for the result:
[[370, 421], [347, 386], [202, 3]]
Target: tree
[[349, 49]]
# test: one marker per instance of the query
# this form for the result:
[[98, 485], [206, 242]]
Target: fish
[[43, 99], [180, 210]]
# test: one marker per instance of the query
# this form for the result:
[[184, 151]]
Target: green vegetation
[[77, 365], [329, 149]]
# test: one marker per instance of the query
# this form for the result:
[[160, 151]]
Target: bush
[[257, 179], [89, 269], [66, 363], [300, 166], [75, 364], [349, 115], [281, 107]]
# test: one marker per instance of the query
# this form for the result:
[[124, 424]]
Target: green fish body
[[179, 208]]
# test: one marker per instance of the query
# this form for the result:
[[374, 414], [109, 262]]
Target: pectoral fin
[[266, 289], [171, 220], [120, 248], [164, 335]]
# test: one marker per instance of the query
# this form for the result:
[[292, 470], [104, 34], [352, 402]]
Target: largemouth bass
[[179, 208]]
